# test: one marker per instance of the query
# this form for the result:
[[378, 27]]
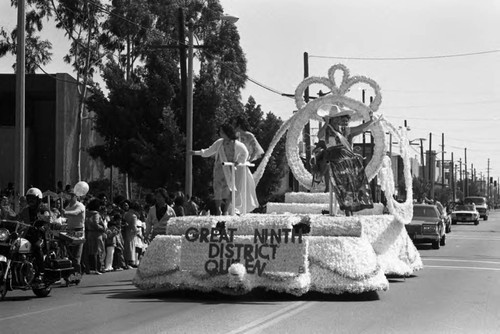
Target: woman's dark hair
[[149, 199], [229, 131], [163, 192], [241, 122], [178, 186], [94, 204]]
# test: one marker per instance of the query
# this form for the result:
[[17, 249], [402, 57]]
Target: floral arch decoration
[[378, 165]]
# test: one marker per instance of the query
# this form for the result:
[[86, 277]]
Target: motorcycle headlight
[[4, 234]]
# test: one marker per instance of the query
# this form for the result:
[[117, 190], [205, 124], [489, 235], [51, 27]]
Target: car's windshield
[[424, 211], [464, 208], [475, 200]]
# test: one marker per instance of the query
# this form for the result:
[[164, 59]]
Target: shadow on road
[[256, 296], [423, 246], [398, 278]]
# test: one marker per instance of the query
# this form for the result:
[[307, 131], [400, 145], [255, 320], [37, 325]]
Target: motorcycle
[[17, 262]]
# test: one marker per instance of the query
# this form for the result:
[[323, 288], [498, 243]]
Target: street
[[456, 292]]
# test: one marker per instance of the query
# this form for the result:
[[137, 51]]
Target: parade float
[[295, 247]]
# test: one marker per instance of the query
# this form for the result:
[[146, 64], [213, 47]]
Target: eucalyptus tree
[[38, 51], [81, 21]]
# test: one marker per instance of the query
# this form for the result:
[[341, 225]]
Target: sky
[[457, 96], [438, 92]]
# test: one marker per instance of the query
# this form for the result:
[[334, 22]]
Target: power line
[[489, 120], [409, 58]]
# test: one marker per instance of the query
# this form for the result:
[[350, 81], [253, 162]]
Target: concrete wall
[[51, 132]]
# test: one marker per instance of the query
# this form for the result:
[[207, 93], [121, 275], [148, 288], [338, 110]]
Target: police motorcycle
[[21, 257]]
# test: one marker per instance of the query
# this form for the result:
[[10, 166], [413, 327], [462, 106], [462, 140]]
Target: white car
[[465, 213], [481, 205]]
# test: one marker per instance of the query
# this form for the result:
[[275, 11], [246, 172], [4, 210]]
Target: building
[[51, 111]]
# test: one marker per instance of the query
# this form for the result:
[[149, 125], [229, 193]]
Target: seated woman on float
[[341, 168]]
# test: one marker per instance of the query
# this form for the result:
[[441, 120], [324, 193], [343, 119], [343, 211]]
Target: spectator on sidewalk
[[6, 211], [179, 206], [94, 242], [111, 242], [75, 220], [191, 208], [129, 232], [159, 214]]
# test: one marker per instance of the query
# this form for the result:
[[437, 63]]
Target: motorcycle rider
[[35, 212], [28, 215]]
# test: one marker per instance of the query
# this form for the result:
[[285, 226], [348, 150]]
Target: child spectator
[[112, 232]]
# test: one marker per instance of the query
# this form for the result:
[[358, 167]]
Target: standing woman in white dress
[[229, 149]]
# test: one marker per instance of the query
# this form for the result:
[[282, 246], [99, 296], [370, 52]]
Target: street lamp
[[189, 104]]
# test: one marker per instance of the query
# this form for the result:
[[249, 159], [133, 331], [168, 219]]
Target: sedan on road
[[465, 213], [427, 225]]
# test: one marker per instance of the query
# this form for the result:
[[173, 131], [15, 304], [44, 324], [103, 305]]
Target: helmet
[[34, 192]]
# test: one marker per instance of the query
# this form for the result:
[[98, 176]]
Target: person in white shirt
[[158, 215], [75, 219]]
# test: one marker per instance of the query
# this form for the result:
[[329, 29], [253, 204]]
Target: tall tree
[[275, 169], [37, 50], [81, 21], [140, 132]]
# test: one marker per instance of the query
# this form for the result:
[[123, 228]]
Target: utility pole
[[363, 151], [189, 115], [442, 161], [422, 158], [452, 178], [466, 189], [431, 167], [182, 57], [488, 182], [307, 129], [472, 176], [461, 178], [375, 192], [20, 146]]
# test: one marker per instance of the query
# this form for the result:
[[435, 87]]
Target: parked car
[[481, 205], [465, 213], [427, 225], [445, 215]]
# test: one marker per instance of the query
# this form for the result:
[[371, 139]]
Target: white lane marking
[[37, 312], [456, 267], [260, 324], [455, 260], [464, 237]]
